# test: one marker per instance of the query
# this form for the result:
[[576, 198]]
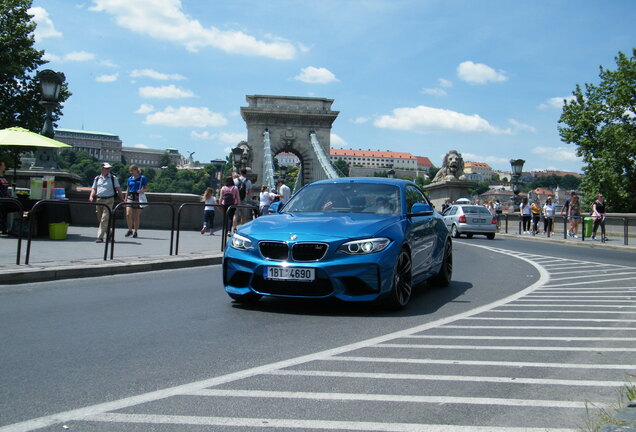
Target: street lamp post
[[237, 158], [218, 172], [516, 166], [50, 85]]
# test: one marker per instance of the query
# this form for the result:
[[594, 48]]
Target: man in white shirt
[[284, 191], [105, 188]]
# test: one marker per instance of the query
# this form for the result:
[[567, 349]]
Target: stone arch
[[289, 121]]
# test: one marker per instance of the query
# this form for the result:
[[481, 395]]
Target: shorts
[[133, 198]]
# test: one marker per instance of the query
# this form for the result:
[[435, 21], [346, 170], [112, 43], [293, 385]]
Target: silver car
[[470, 219]]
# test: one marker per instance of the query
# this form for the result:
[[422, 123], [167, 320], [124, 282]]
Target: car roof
[[374, 180]]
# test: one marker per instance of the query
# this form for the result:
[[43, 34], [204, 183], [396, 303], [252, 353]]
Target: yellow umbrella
[[19, 139]]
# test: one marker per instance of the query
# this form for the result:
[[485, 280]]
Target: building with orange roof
[[375, 159], [478, 171]]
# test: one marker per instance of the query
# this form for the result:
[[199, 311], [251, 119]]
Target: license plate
[[298, 274], [479, 220]]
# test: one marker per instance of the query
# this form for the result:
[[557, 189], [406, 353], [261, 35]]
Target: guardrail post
[[20, 207]]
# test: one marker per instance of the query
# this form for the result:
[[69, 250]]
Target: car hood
[[317, 226]]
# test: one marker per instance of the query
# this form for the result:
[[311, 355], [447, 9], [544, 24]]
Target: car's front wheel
[[490, 236], [402, 287], [443, 277], [248, 298]]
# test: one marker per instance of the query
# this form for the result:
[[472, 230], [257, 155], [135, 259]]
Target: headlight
[[240, 242], [366, 246]]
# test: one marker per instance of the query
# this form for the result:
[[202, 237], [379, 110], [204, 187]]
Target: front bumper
[[346, 277]]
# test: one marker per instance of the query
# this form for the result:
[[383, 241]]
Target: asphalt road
[[132, 339]]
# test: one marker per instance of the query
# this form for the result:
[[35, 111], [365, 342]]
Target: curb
[[103, 268]]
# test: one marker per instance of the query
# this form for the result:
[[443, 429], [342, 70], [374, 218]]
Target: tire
[[445, 274], [490, 236], [402, 286], [249, 298], [454, 232]]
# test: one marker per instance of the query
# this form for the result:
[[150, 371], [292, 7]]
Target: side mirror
[[420, 209], [275, 207]]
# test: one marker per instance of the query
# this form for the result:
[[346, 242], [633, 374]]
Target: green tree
[[341, 167], [601, 122], [19, 61]]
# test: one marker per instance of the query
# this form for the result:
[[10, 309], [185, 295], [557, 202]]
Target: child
[[208, 213]]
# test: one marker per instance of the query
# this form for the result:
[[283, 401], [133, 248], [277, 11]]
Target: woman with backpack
[[230, 197]]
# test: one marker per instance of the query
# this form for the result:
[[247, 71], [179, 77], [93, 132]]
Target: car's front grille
[[308, 251], [317, 288], [278, 251]]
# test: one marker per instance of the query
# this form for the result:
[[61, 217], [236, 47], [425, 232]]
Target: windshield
[[346, 198], [475, 210]]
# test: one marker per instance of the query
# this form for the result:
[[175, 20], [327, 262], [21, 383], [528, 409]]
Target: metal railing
[[197, 204], [20, 208], [268, 163], [325, 164], [40, 203], [615, 226], [131, 204]]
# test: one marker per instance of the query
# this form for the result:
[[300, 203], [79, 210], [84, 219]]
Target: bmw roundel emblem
[[293, 237]]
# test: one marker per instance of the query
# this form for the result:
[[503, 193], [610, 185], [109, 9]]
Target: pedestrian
[[4, 193], [136, 186], [566, 209], [598, 214], [265, 200], [548, 216], [498, 212], [208, 211], [230, 198], [104, 190], [524, 213], [244, 186], [535, 210], [574, 214], [284, 191]]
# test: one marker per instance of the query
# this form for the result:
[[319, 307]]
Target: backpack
[[228, 199], [242, 187]]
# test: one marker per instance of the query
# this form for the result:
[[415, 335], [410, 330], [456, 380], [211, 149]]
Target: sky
[[487, 78]]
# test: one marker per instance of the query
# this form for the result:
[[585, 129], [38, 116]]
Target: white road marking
[[626, 367], [564, 311], [505, 347], [458, 378], [462, 400], [587, 320], [613, 329], [302, 424], [538, 338]]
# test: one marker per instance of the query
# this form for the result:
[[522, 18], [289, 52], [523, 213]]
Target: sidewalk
[[79, 255]]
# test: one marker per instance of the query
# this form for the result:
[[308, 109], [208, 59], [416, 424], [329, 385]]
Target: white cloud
[[518, 126], [150, 73], [185, 117], [487, 159], [425, 119], [360, 120], [556, 102], [52, 58], [107, 78], [143, 146], [443, 82], [78, 56], [165, 92], [434, 91], [108, 63], [337, 141], [479, 73], [165, 20], [145, 109], [314, 75], [44, 25], [224, 137], [560, 154]]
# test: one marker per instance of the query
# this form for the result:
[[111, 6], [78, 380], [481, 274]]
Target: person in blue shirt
[[136, 186]]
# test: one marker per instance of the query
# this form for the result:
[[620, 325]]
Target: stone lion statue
[[452, 168]]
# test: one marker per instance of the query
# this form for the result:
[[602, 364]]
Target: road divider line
[[457, 378], [504, 347], [462, 400], [613, 329], [543, 338], [303, 424], [512, 364]]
